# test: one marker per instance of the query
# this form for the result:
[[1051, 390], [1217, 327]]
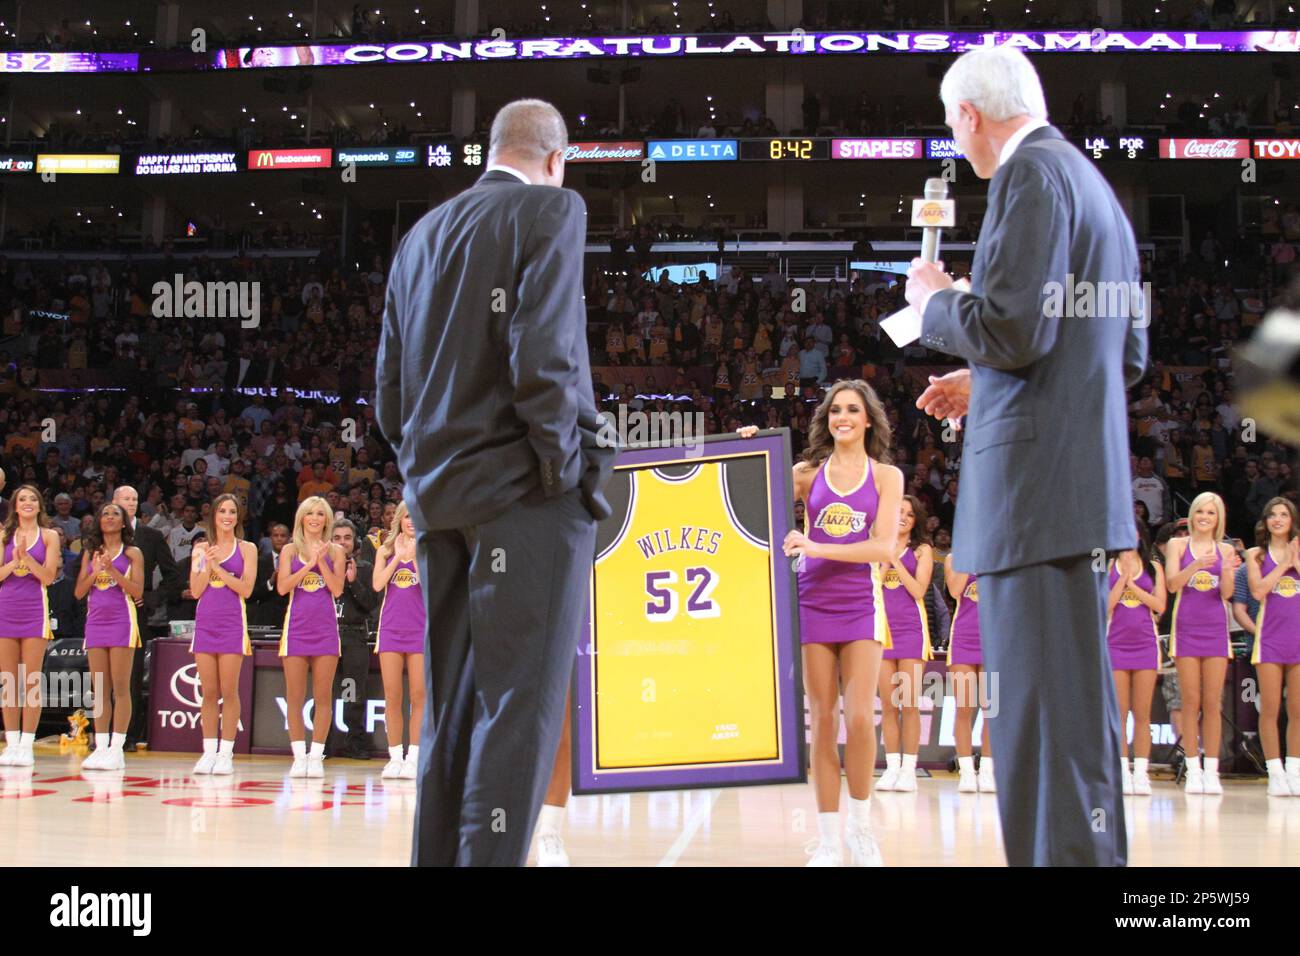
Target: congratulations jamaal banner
[[735, 44], [711, 44]]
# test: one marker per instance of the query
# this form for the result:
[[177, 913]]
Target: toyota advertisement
[[175, 700]]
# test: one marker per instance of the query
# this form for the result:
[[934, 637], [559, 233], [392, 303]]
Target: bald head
[[128, 498], [530, 135]]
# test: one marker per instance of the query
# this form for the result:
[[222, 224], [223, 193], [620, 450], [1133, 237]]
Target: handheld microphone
[[935, 188]]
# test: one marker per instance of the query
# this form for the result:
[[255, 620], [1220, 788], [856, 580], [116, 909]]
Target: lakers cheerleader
[[1136, 599], [311, 574], [111, 580], [851, 498], [401, 640], [222, 572], [905, 578], [1199, 572], [31, 555], [965, 665], [1273, 572]]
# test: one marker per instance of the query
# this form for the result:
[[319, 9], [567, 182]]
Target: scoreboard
[[781, 148]]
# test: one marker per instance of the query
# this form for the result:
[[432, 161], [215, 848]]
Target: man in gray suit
[[1045, 467], [484, 390]]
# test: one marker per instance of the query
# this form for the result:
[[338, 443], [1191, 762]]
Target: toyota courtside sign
[[176, 700], [289, 158], [1277, 149], [1205, 148], [626, 152]]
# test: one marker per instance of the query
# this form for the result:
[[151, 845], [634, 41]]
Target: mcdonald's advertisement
[[290, 158]]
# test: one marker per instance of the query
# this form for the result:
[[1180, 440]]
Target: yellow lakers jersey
[[684, 655]]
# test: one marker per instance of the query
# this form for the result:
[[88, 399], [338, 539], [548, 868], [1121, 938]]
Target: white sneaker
[[1293, 781], [24, 756], [224, 765], [408, 769], [1126, 778], [315, 766], [204, 763], [1210, 782], [966, 782], [1195, 782], [550, 848], [1278, 785], [393, 769], [116, 759], [862, 846], [7, 758], [299, 768], [906, 782], [825, 854], [1141, 783], [986, 783], [95, 760], [888, 780]]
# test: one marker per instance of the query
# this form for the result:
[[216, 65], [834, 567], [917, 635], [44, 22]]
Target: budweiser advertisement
[[632, 152], [1277, 149], [289, 158], [1204, 149]]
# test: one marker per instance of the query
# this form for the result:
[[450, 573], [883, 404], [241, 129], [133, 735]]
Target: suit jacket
[[268, 603], [153, 547], [482, 374], [1045, 466]]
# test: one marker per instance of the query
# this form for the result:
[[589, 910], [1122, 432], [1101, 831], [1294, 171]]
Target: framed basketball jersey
[[688, 672]]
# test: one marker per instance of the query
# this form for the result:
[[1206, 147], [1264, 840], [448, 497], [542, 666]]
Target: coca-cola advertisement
[[622, 152], [1208, 148]]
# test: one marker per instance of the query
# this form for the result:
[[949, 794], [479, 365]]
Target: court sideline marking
[[688, 830]]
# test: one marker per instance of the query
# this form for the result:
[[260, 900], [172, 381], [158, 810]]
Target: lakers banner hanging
[[688, 672]]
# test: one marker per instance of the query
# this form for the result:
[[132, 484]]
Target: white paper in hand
[[904, 326]]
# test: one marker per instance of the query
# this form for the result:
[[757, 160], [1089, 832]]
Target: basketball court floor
[[156, 814]]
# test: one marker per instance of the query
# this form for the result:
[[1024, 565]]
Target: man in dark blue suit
[[1045, 492], [484, 390]]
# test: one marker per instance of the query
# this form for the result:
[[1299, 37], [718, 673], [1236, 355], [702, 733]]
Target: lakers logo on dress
[[1129, 598], [214, 581], [1204, 581], [890, 579], [405, 579], [104, 581], [972, 592], [1286, 587], [838, 519], [312, 582]]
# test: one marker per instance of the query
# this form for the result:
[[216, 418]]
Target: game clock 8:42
[[785, 147]]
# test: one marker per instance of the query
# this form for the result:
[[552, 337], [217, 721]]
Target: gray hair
[[530, 128], [998, 81]]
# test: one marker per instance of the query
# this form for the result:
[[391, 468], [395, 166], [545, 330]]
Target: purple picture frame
[[791, 765]]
